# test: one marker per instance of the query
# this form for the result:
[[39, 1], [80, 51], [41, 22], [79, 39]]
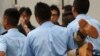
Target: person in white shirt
[[80, 9], [12, 42]]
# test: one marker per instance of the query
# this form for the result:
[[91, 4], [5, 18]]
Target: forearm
[[79, 38], [2, 53]]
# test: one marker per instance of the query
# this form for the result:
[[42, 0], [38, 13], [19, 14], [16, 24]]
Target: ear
[[5, 22], [37, 19], [73, 9]]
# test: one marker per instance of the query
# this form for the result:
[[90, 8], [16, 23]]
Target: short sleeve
[[27, 50], [2, 44], [71, 43]]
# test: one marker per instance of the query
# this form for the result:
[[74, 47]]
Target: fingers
[[72, 52], [86, 50]]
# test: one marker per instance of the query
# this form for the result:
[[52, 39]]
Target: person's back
[[14, 41], [50, 40]]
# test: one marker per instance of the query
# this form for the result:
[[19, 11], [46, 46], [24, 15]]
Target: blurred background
[[4, 4]]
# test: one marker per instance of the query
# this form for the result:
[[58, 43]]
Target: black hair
[[54, 7], [12, 15], [67, 8], [81, 6], [67, 18], [42, 11], [27, 10]]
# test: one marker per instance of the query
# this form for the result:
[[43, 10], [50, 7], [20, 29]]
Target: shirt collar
[[80, 15], [12, 30], [47, 24]]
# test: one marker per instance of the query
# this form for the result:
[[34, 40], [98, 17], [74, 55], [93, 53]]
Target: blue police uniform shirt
[[49, 40], [12, 42]]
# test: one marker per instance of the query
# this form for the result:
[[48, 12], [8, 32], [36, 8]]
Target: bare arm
[[80, 38], [2, 53], [85, 29]]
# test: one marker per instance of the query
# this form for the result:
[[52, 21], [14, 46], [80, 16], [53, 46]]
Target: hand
[[22, 22], [72, 52], [86, 50], [2, 53], [24, 25]]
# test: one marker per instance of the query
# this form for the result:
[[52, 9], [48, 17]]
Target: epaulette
[[4, 33]]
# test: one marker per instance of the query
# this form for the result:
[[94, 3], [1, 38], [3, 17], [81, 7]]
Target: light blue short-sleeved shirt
[[12, 42], [74, 26], [48, 40]]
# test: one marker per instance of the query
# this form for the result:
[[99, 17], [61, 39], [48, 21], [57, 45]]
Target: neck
[[10, 27], [75, 14], [41, 22]]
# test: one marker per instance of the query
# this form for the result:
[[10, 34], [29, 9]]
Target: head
[[55, 13], [67, 18], [67, 8], [42, 12], [80, 7], [10, 18], [25, 13]]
